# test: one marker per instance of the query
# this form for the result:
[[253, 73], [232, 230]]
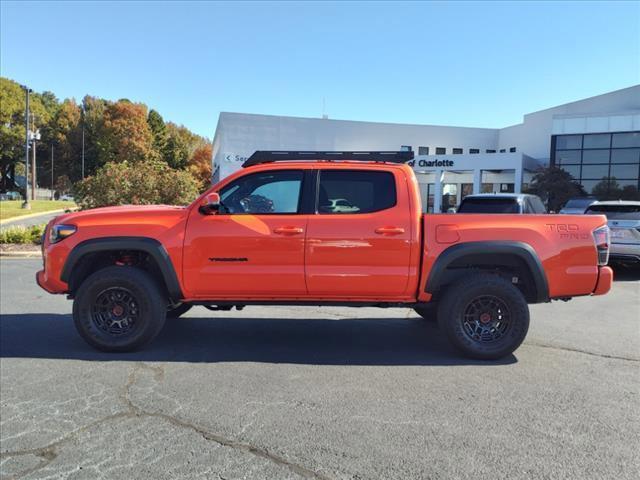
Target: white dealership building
[[596, 139]]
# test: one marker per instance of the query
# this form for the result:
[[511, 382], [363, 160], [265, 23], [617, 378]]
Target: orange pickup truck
[[320, 228]]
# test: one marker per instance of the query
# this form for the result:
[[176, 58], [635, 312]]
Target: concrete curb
[[33, 215], [26, 254]]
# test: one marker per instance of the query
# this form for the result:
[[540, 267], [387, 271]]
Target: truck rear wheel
[[484, 316], [119, 309]]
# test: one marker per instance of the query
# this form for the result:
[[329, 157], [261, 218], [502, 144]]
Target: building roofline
[[319, 119], [637, 86]]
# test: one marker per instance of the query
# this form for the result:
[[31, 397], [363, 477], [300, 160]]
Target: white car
[[623, 218], [342, 205], [67, 198]]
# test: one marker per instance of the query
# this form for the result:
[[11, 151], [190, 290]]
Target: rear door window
[[489, 205], [355, 191]]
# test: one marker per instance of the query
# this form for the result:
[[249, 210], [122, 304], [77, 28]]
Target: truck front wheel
[[484, 316], [119, 309]]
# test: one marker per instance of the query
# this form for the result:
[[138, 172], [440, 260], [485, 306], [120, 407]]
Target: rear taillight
[[601, 237]]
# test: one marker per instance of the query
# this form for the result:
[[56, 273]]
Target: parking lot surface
[[318, 393]]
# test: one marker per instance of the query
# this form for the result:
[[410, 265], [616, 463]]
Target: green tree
[[181, 145], [12, 131], [630, 192], [555, 187], [159, 132]]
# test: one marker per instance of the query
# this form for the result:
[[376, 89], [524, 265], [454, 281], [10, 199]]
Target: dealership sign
[[234, 158], [431, 163]]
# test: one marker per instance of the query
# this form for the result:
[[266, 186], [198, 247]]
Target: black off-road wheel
[[484, 316], [119, 309], [428, 311], [179, 310]]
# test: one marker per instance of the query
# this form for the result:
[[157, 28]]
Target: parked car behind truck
[[268, 234], [520, 203], [623, 218]]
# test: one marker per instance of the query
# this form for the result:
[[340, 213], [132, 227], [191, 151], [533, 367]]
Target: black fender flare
[[148, 245], [521, 250]]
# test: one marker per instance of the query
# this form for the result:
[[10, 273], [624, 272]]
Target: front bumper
[[605, 281]]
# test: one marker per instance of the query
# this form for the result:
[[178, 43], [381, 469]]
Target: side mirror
[[210, 204]]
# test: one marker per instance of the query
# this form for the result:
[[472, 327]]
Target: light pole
[[26, 205], [34, 136], [52, 191], [83, 114]]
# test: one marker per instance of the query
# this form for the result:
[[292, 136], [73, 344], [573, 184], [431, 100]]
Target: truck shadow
[[362, 341], [626, 273]]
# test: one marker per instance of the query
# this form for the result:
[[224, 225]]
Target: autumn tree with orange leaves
[[200, 165]]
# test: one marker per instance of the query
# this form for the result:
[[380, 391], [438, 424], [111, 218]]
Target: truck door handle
[[288, 230], [389, 230]]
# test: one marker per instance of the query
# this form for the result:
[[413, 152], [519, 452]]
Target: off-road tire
[[484, 316], [114, 296]]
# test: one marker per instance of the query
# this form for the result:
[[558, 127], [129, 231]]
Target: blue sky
[[469, 64]]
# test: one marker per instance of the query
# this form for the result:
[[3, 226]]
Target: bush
[[21, 234], [139, 183]]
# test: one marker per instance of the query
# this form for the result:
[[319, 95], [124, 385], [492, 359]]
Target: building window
[[457, 151], [474, 150], [406, 148], [441, 151], [607, 165], [503, 150], [512, 149], [490, 151], [626, 140], [423, 150], [602, 140], [568, 142]]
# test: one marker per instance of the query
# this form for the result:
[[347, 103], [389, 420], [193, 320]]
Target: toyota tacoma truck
[[275, 232]]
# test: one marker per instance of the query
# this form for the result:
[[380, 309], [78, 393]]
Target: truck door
[[359, 241], [254, 246]]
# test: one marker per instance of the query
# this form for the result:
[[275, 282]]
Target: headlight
[[60, 232]]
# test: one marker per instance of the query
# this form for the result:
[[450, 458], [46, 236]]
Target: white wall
[[242, 134]]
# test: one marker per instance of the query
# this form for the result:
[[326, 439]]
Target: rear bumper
[[605, 280], [629, 252]]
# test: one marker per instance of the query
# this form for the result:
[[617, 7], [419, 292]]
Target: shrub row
[[21, 234]]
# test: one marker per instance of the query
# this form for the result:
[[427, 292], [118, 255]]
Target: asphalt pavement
[[318, 393], [31, 221]]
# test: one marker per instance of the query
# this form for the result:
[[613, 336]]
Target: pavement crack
[[212, 437], [49, 452], [585, 352]]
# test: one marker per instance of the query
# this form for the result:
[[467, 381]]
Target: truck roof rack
[[264, 156]]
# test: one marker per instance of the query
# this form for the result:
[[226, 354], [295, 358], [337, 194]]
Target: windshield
[[620, 212], [489, 205]]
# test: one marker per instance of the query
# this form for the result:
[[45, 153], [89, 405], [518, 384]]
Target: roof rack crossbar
[[265, 156]]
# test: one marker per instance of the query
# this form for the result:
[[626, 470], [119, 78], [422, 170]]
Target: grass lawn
[[13, 208]]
